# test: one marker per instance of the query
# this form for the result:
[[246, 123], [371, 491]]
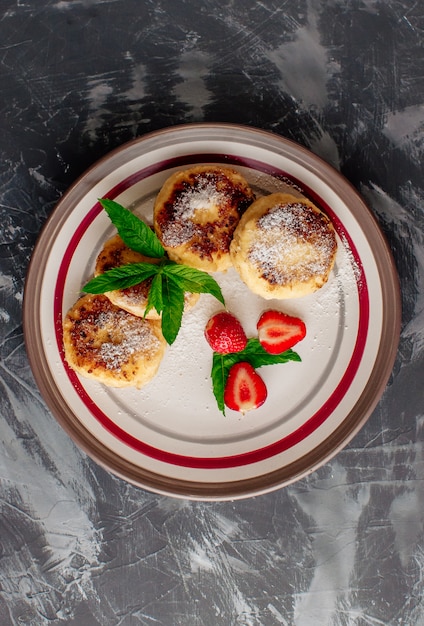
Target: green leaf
[[257, 356], [154, 299], [253, 354], [193, 280], [173, 307], [219, 375], [121, 277], [133, 231]]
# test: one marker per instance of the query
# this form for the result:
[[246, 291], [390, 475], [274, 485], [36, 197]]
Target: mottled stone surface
[[79, 546]]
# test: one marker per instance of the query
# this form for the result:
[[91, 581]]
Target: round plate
[[170, 437]]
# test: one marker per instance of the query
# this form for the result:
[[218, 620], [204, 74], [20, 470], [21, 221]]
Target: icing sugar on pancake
[[196, 213], [111, 346], [284, 247], [133, 299]]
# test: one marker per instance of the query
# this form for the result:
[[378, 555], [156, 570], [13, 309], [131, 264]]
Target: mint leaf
[[173, 308], [154, 299], [133, 231], [253, 354], [219, 375], [257, 356], [120, 277], [193, 280]]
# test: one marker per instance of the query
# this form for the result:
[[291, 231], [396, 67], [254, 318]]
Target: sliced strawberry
[[225, 334], [277, 332], [245, 390]]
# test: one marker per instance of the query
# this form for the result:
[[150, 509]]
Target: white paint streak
[[416, 591], [6, 282], [97, 94], [405, 129], [228, 527], [212, 557], [194, 67], [199, 559], [406, 509], [304, 64], [51, 502], [280, 618], [137, 91], [335, 514], [407, 523], [246, 612], [326, 148], [40, 178], [64, 5], [4, 315]]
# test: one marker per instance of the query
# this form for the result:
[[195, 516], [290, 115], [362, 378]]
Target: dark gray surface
[[78, 546]]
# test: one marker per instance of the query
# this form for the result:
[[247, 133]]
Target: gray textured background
[[78, 546]]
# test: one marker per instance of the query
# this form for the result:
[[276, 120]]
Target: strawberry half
[[225, 334], [277, 332], [245, 390]]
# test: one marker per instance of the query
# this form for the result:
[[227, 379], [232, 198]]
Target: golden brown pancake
[[132, 299], [284, 247], [111, 346], [196, 212]]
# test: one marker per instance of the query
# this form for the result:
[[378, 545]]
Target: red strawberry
[[277, 332], [245, 390], [225, 334]]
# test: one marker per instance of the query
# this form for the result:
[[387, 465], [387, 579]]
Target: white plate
[[170, 437]]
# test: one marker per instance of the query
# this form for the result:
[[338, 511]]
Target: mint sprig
[[170, 281], [254, 354]]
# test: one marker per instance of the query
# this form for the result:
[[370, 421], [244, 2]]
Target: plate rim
[[264, 482]]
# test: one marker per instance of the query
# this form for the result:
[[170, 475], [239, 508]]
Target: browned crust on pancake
[[196, 213], [284, 247], [108, 344]]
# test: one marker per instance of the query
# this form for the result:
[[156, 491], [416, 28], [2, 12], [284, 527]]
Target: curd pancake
[[196, 212], [111, 346], [132, 299], [284, 247]]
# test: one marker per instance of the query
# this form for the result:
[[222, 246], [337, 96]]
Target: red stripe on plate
[[253, 456]]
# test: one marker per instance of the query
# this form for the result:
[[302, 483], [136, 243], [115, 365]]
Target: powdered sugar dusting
[[195, 203], [292, 243], [203, 197], [128, 336], [351, 262]]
